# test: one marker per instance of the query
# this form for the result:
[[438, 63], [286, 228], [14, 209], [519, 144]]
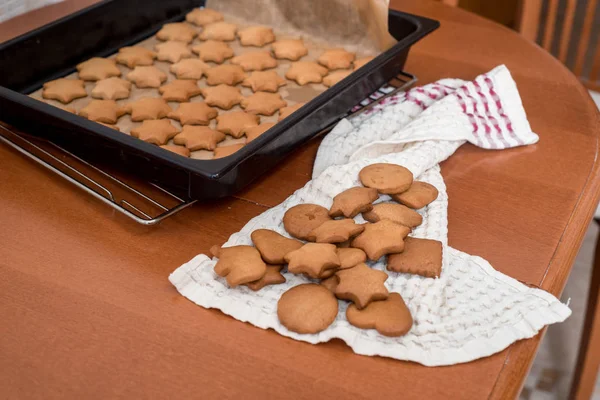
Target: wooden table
[[87, 310]]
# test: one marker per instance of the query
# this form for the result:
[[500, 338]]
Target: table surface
[[87, 310]]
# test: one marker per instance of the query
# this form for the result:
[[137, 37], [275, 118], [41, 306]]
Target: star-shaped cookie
[[256, 36], [255, 61], [172, 51], [335, 77], [179, 31], [264, 81], [271, 277], [289, 49], [189, 68], [213, 50], [196, 137], [225, 151], [111, 89], [147, 77], [240, 265], [361, 285], [222, 96], [304, 72], [147, 108], [225, 74], [97, 68], [313, 259], [133, 56], [235, 123], [179, 90], [254, 132], [198, 113], [390, 317], [181, 150], [155, 131], [337, 59], [353, 201], [335, 231], [223, 31], [286, 111], [381, 238], [203, 16], [107, 111], [64, 90], [272, 246], [263, 103]]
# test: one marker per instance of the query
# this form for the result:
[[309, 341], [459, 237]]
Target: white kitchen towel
[[472, 310]]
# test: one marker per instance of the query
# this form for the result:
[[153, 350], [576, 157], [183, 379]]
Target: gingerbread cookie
[[361, 285], [390, 317], [264, 81], [349, 257], [335, 231], [307, 308], [304, 72], [172, 51], [289, 49], [263, 103], [225, 151], [155, 131], [97, 68], [223, 31], [353, 201], [271, 277], [256, 36], [107, 111], [198, 137], [312, 259], [381, 238], [255, 61], [147, 77], [181, 150], [111, 89], [359, 62], [235, 123], [286, 111], [225, 74], [203, 16], [420, 256], [64, 90], [135, 55], [147, 108], [337, 59], [386, 178], [254, 132], [301, 219], [394, 212], [179, 90], [240, 265], [272, 246], [213, 50], [193, 114], [222, 96], [330, 283], [189, 68], [418, 195], [335, 77], [179, 31]]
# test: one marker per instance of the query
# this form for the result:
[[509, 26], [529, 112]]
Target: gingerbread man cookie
[[263, 103], [222, 96], [198, 137], [193, 113], [304, 72], [155, 131], [64, 90], [240, 265]]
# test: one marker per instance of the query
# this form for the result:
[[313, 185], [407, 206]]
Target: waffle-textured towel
[[472, 310]]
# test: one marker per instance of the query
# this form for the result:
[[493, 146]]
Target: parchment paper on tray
[[356, 25]]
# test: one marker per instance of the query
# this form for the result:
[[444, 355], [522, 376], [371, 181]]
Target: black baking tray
[[53, 50]]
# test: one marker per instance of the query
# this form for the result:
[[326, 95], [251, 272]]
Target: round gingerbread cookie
[[307, 308], [300, 220], [386, 178]]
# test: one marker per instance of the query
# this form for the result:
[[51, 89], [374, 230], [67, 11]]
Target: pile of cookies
[[330, 248], [201, 95]]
